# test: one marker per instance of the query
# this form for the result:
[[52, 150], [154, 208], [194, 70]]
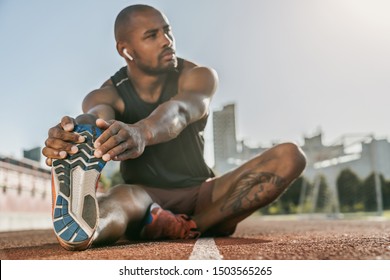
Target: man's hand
[[120, 141], [61, 140]]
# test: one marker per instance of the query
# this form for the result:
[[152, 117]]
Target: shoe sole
[[74, 180]]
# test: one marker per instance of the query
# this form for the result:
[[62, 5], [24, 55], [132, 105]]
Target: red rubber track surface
[[255, 238]]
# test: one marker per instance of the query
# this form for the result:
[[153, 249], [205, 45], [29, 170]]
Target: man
[[150, 116]]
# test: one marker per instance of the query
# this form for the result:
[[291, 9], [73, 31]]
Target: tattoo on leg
[[247, 190]]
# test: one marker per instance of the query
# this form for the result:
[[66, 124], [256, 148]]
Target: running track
[[256, 238]]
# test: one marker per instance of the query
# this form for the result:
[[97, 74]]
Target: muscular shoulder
[[106, 95], [198, 78], [188, 65]]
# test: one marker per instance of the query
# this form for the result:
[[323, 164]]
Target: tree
[[290, 199], [349, 190], [288, 202], [386, 195], [323, 196], [369, 192]]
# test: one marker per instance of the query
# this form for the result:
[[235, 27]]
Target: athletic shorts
[[190, 201]]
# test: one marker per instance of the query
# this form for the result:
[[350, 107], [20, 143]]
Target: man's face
[[152, 43]]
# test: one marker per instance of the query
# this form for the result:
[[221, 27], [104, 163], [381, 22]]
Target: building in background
[[33, 154], [370, 155], [25, 191], [362, 154], [225, 141], [367, 155], [228, 152], [25, 194]]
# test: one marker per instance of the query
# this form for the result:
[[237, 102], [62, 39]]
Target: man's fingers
[[58, 133], [107, 134], [49, 161], [123, 151], [116, 141], [67, 123], [102, 124], [61, 140], [59, 145], [118, 149], [53, 153]]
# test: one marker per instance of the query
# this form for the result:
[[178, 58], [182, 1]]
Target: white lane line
[[205, 249]]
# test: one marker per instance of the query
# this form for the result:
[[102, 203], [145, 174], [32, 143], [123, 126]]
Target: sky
[[293, 67]]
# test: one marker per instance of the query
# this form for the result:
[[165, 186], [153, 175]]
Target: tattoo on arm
[[248, 191]]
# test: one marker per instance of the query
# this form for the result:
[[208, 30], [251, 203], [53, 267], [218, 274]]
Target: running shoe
[[163, 224], [75, 210]]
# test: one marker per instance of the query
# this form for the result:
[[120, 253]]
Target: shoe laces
[[190, 231]]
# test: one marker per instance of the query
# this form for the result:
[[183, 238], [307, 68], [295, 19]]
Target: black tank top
[[177, 163]]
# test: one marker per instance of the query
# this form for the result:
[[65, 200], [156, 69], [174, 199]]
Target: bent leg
[[122, 211], [251, 186]]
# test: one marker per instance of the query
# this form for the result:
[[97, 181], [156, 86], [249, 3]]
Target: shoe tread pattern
[[64, 225]]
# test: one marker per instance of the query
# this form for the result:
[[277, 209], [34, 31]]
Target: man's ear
[[119, 47], [123, 51]]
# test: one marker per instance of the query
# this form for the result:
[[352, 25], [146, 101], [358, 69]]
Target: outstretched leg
[[122, 211], [253, 185]]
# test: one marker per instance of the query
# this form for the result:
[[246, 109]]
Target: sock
[[149, 218]]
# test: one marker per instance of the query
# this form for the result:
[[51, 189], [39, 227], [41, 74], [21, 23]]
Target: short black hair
[[124, 17]]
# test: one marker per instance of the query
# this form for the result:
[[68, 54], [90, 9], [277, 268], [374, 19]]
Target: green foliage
[[275, 209], [369, 192], [386, 195], [355, 195], [107, 182], [292, 194], [359, 207], [288, 202], [323, 195], [104, 182], [116, 179], [349, 188]]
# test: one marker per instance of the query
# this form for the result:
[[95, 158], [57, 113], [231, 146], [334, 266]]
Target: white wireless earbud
[[127, 54]]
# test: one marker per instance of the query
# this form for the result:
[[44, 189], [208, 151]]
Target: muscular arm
[[196, 88], [101, 103]]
